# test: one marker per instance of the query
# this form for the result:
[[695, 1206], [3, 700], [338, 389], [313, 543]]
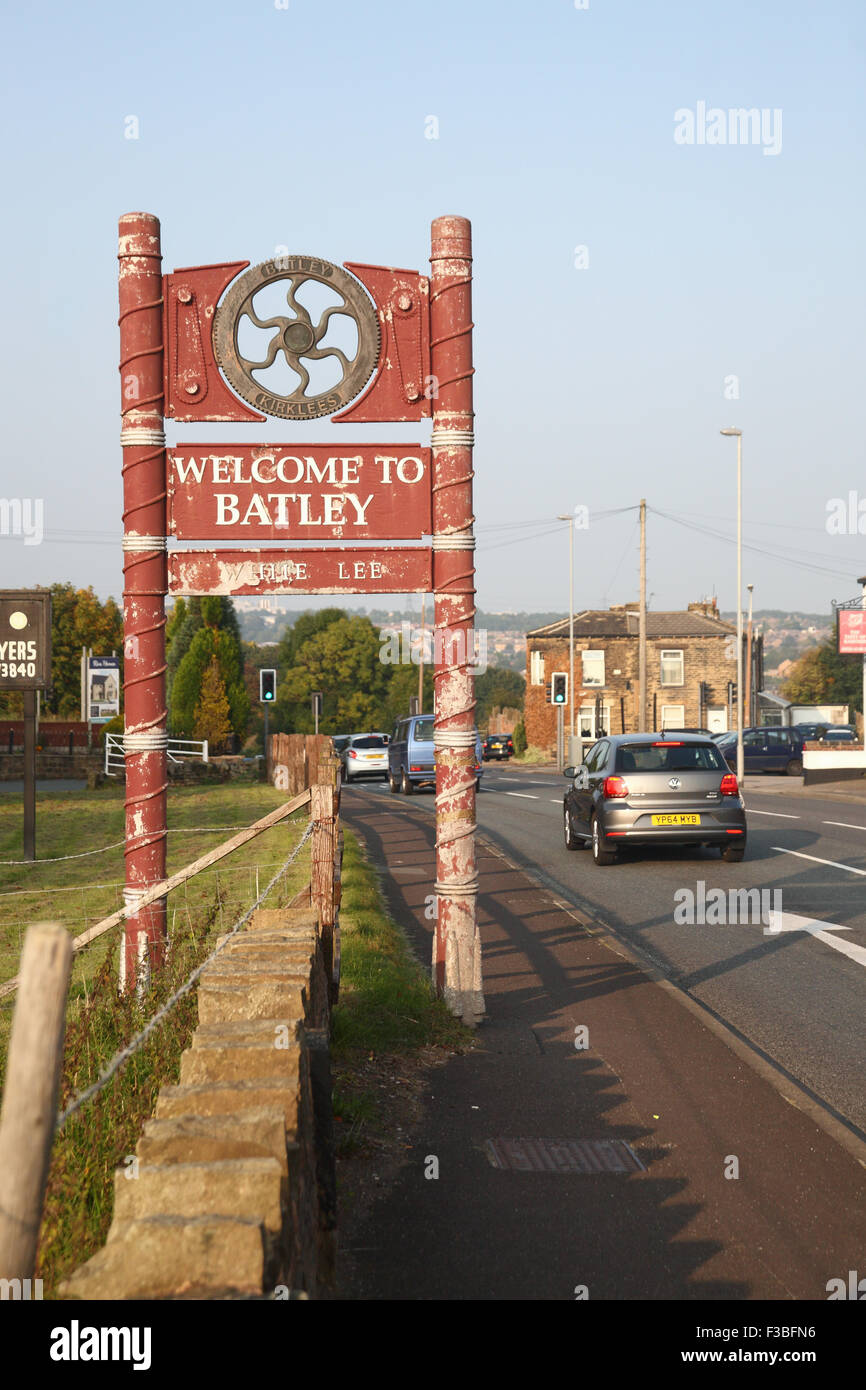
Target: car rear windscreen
[[424, 731], [669, 757], [371, 741]]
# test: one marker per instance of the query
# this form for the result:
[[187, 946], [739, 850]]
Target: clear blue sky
[[305, 127]]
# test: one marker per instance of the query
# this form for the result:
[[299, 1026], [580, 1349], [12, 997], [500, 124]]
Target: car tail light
[[352, 753], [729, 785], [615, 786], [667, 743]]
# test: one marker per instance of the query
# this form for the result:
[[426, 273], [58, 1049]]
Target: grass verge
[[388, 1015]]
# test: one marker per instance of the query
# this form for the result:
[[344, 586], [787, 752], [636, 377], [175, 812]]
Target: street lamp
[[570, 519], [738, 435]]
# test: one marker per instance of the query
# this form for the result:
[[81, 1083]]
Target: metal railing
[[179, 750]]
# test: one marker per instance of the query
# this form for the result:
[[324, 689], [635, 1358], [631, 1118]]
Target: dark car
[[340, 741], [826, 733], [497, 746], [648, 789], [770, 749]]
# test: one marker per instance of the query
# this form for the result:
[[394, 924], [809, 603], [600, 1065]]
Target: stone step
[[222, 1060], [254, 1133], [232, 1098], [227, 1003], [166, 1256], [245, 1188]]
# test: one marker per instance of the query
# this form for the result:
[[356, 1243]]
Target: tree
[[306, 625], [212, 715], [823, 677], [498, 688], [342, 660], [208, 644]]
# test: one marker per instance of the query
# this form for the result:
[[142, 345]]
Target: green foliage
[[497, 688], [209, 629], [342, 660], [305, 626], [520, 739], [823, 677], [208, 645], [212, 720]]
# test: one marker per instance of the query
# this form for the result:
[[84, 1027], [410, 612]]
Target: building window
[[673, 716], [671, 668], [593, 668], [536, 668]]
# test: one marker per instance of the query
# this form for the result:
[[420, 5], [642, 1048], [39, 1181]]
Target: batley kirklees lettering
[[368, 493]]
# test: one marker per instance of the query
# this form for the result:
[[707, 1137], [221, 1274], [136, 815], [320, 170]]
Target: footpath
[[658, 1159]]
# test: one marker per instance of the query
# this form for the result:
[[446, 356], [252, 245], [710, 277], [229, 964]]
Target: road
[[794, 997]]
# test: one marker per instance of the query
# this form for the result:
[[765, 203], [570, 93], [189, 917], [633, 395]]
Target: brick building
[[684, 649]]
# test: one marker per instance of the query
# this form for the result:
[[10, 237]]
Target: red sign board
[[852, 631], [389, 570], [267, 492]]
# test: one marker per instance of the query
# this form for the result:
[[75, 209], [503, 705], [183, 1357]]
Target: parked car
[[827, 733], [340, 741], [497, 746], [646, 789], [773, 748], [365, 755], [411, 756]]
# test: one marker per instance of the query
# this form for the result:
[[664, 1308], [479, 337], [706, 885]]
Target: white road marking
[[527, 796], [790, 921], [846, 824], [555, 801], [815, 860], [783, 814]]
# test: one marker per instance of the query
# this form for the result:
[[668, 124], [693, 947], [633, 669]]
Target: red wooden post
[[457, 946], [144, 583]]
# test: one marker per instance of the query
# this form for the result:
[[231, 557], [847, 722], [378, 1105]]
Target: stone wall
[[233, 1192], [52, 764]]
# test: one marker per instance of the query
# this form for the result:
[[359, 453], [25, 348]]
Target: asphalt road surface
[[796, 997]]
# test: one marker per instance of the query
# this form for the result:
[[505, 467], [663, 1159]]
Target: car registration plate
[[675, 820]]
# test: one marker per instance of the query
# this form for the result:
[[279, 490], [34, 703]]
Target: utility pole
[[571, 690], [749, 716], [641, 718]]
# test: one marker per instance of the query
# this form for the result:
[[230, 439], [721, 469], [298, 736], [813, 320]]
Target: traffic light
[[267, 687], [704, 693], [560, 688]]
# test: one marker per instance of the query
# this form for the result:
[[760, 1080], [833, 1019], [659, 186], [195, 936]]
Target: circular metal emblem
[[339, 327], [674, 782]]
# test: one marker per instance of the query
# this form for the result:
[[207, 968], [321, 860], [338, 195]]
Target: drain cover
[[563, 1155]]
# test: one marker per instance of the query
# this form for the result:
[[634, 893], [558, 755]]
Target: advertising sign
[[103, 688], [852, 631], [266, 492], [25, 639], [388, 570]]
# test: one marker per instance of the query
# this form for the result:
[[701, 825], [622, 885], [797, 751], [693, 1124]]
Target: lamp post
[[570, 520], [738, 435]]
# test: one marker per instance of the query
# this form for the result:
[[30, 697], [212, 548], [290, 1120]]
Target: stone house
[[685, 651]]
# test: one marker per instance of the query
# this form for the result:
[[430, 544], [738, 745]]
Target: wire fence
[[123, 1054]]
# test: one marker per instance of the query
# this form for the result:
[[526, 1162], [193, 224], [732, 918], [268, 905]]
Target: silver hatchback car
[[646, 789]]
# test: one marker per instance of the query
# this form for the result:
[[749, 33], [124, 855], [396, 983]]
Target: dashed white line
[[834, 864], [527, 796], [783, 814], [846, 824]]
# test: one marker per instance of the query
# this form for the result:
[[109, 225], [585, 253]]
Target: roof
[[624, 623]]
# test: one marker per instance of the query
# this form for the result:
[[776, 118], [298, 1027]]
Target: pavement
[[735, 1185]]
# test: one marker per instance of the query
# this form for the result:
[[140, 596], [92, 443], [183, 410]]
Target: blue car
[[774, 748], [411, 756]]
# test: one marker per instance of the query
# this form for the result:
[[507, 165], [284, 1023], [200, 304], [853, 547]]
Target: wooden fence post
[[30, 1094], [322, 869]]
